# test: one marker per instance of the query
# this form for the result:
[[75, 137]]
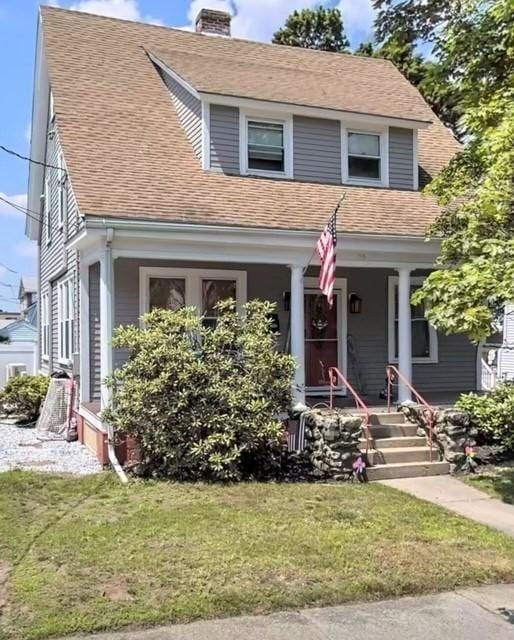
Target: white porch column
[[297, 332], [404, 333], [84, 331], [106, 316]]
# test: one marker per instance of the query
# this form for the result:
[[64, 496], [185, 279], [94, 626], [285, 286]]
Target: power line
[[28, 212], [8, 268], [22, 157]]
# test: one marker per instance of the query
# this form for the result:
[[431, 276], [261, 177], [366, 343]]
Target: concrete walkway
[[456, 496], [467, 614]]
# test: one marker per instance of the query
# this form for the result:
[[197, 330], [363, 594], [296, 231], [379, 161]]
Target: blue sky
[[253, 19]]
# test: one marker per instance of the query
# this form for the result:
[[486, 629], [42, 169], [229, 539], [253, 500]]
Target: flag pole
[[315, 248]]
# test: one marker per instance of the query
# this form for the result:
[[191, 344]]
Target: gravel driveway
[[20, 449]]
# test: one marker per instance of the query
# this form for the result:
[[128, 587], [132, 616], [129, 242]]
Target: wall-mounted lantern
[[355, 303]]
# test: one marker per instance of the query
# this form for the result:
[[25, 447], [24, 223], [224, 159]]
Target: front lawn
[[90, 554], [498, 482]]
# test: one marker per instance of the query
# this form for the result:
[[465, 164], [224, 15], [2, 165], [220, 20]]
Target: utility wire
[[8, 268], [28, 212], [22, 157]]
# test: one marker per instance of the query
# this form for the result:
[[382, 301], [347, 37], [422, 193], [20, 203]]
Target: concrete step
[[402, 454], [407, 470], [393, 430], [393, 442], [395, 417]]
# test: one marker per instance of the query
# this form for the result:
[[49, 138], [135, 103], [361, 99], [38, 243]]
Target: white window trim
[[45, 325], [193, 278], [433, 358], [383, 133], [62, 358], [287, 122], [47, 210]]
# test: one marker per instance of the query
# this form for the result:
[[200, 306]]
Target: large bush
[[203, 402], [23, 395], [492, 414]]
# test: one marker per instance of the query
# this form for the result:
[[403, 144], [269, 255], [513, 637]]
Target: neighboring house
[[183, 168], [20, 331], [7, 317], [27, 294]]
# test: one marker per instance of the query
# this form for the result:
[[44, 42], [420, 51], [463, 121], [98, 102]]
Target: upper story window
[[266, 146], [365, 157], [62, 202], [45, 326], [47, 220]]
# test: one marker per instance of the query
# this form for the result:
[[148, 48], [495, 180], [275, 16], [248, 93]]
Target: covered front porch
[[127, 269]]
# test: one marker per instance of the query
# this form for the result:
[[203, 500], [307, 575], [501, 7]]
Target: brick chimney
[[213, 22]]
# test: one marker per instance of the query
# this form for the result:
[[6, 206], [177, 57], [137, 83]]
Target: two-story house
[[183, 168]]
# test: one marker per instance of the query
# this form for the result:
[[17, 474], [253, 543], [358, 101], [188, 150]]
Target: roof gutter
[[152, 225]]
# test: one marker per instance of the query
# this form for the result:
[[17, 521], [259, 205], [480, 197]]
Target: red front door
[[321, 339]]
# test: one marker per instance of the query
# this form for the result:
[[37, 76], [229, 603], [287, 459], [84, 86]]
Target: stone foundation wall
[[452, 431], [332, 442]]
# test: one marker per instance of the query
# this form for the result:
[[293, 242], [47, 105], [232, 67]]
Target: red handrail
[[334, 375], [428, 412]]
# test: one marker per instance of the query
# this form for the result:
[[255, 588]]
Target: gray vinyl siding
[[401, 158], [94, 332], [455, 370], [189, 109], [56, 262], [317, 149], [224, 136]]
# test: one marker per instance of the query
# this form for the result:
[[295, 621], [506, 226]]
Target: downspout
[[109, 277]]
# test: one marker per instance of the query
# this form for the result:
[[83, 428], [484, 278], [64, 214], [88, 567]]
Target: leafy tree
[[320, 28], [475, 278], [203, 402]]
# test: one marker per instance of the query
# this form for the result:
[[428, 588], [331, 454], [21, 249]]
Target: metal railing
[[335, 376], [428, 412]]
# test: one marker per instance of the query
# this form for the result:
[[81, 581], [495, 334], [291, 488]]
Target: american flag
[[326, 248]]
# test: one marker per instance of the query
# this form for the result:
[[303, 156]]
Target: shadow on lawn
[[502, 482]]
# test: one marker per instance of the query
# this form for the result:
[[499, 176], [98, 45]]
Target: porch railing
[[335, 377], [487, 376], [393, 375]]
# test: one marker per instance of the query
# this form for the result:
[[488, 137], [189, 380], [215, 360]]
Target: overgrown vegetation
[[87, 554], [23, 396], [492, 414], [203, 402]]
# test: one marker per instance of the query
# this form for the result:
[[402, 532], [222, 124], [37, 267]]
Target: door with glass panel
[[214, 291], [324, 338]]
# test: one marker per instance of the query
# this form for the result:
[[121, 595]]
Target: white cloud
[[358, 17], [19, 199], [26, 249], [123, 9], [259, 20]]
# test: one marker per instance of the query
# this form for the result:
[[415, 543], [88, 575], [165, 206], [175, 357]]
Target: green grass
[[498, 482], [90, 554]]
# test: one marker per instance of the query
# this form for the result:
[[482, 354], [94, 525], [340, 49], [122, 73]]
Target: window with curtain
[[364, 156], [266, 146], [214, 291]]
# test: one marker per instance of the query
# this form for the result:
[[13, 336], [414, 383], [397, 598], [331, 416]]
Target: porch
[[125, 272]]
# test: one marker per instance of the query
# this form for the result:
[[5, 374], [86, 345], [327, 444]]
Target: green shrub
[[492, 414], [23, 396], [203, 402]]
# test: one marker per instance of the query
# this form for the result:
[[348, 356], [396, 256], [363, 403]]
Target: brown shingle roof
[[128, 155]]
